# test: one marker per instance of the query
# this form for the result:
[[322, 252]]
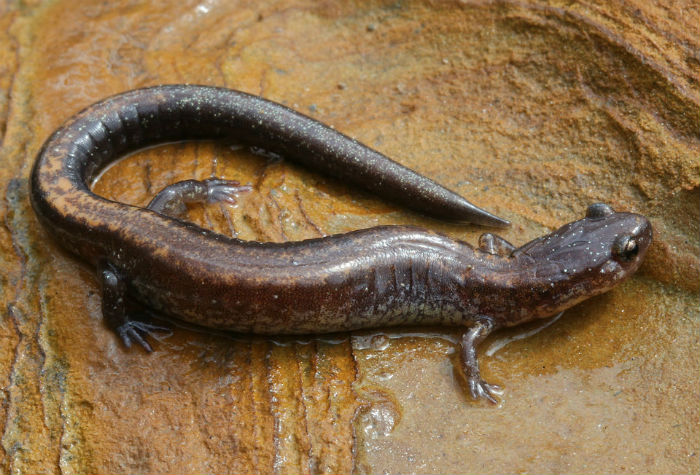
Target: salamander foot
[[224, 190], [481, 389], [136, 331], [114, 311], [172, 199]]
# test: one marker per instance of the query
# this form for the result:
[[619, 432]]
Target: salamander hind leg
[[172, 199], [496, 245], [114, 311], [470, 364]]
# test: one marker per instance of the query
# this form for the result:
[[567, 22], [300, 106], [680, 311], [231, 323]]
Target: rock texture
[[530, 109]]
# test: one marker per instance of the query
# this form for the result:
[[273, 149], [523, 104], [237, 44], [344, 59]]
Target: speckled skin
[[382, 276]]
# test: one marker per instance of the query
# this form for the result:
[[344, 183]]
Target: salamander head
[[586, 257]]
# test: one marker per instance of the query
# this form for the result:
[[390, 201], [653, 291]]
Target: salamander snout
[[601, 250], [622, 241], [632, 241]]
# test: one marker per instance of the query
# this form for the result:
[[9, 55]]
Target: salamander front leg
[[115, 313], [172, 199], [470, 364]]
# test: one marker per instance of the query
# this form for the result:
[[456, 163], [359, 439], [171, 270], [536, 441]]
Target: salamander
[[377, 277]]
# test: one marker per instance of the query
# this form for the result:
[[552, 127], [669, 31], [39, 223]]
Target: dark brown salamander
[[383, 276]]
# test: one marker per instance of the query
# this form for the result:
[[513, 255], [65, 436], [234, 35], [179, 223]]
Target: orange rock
[[531, 110]]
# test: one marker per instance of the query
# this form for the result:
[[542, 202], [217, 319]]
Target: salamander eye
[[625, 247], [599, 211]]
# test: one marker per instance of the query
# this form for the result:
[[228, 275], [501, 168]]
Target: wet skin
[[377, 277]]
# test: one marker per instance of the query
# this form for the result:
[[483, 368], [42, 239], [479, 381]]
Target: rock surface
[[531, 109]]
